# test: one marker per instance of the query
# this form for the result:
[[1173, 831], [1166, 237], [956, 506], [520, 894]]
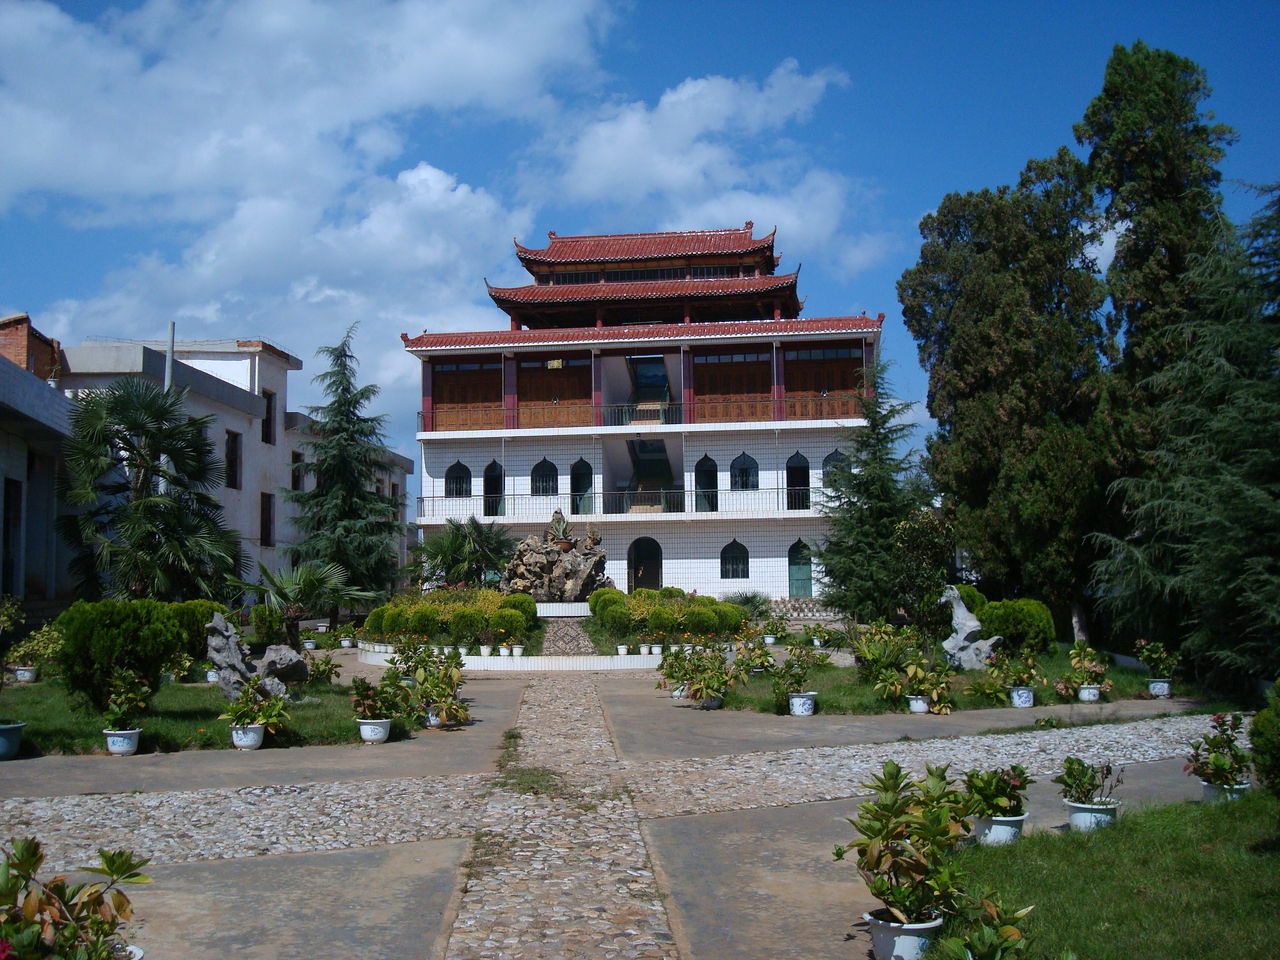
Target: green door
[[799, 571]]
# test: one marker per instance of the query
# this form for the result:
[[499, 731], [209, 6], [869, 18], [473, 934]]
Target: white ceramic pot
[[816, 641], [997, 831], [25, 674], [211, 676], [504, 651], [1218, 793], [1084, 817], [374, 731], [622, 650], [770, 639], [1160, 688], [1022, 697], [901, 941], [122, 743], [517, 650], [802, 703], [308, 644], [1089, 693], [248, 737], [486, 649], [433, 718], [679, 693], [344, 642], [917, 703]]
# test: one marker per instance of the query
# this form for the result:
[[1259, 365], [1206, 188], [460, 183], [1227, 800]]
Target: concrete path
[[656, 831]]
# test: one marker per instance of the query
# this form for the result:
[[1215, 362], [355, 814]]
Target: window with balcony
[[798, 482], [457, 481], [544, 479], [744, 473], [494, 482], [706, 493], [832, 461], [735, 562]]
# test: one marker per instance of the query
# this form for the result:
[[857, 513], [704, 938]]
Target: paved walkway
[[628, 851], [566, 638]]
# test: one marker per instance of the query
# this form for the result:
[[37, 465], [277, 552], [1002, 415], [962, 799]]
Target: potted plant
[[789, 677], [708, 678], [128, 700], [927, 690], [1219, 761], [1087, 790], [903, 837], [1161, 663], [377, 706], [775, 628], [752, 657], [1019, 675], [1087, 680], [992, 932], [673, 671], [997, 802], [253, 716], [561, 532], [322, 669], [35, 654]]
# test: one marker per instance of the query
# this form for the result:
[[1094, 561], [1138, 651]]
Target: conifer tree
[[869, 493], [343, 519]]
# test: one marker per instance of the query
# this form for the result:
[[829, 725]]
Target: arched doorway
[[799, 571], [798, 482], [494, 479], [580, 480], [644, 565], [705, 483]]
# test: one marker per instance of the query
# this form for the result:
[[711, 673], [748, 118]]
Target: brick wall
[[30, 349]]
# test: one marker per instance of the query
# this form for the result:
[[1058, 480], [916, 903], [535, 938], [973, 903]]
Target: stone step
[[565, 638]]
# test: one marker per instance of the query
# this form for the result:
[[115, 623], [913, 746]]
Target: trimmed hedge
[[729, 617], [972, 597], [524, 603], [192, 617], [671, 593], [373, 622], [1024, 624], [602, 595], [616, 620], [1264, 737], [663, 620], [395, 620], [103, 638], [508, 624], [466, 625], [701, 620], [424, 621]]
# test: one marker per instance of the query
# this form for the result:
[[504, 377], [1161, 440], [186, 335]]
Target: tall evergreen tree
[[1153, 158], [1005, 306], [343, 519], [140, 471], [1201, 563], [868, 494]]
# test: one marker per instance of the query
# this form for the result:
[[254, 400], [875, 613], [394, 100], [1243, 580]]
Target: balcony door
[[494, 481], [644, 565]]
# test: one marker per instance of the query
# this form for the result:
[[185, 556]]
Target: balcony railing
[[745, 409], [523, 506]]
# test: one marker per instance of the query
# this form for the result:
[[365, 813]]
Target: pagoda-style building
[[660, 388]]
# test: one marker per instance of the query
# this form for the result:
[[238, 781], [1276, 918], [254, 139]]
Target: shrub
[[597, 596], [671, 593], [1264, 735], [701, 620], [395, 620], [729, 617], [644, 593], [103, 639], [755, 603], [373, 622], [192, 616], [1024, 624], [615, 620], [508, 624], [524, 603], [41, 649], [662, 620], [466, 624], [702, 601], [610, 600], [424, 620], [268, 624], [972, 597]]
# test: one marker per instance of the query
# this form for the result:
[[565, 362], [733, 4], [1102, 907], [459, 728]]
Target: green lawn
[[1179, 882], [182, 717]]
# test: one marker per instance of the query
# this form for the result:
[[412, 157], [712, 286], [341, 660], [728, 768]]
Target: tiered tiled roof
[[642, 290], [607, 248], [583, 336]]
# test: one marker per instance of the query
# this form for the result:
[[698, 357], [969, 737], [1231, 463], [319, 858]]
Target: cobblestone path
[[565, 638]]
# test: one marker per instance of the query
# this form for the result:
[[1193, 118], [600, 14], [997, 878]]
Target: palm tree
[[140, 471], [310, 587], [467, 552]]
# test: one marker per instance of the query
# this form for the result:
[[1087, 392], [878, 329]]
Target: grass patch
[[1177, 882], [516, 778], [842, 691], [182, 717]]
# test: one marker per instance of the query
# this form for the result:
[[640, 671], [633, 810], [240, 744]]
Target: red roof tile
[[732, 329], [642, 290], [645, 246]]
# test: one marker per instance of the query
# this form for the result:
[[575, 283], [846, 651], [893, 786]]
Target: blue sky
[[280, 168]]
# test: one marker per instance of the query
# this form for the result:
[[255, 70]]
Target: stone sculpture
[[964, 650], [280, 664], [557, 568]]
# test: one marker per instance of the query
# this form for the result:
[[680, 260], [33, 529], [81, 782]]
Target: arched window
[[494, 480], [735, 562], [799, 571], [544, 479], [705, 486], [832, 459], [798, 482], [744, 473], [457, 481], [580, 480]]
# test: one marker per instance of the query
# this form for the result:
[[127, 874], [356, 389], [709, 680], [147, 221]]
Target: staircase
[[565, 638]]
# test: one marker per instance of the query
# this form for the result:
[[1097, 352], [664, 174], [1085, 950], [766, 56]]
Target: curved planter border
[[379, 654]]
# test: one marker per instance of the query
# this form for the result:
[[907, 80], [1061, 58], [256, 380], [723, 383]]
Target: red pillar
[[779, 385], [686, 386], [510, 411], [426, 394], [597, 390]]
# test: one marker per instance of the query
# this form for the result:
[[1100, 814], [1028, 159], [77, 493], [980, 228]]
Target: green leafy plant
[[1088, 667], [997, 793], [752, 655], [1019, 671], [993, 932], [708, 675], [102, 639], [604, 596], [560, 529], [989, 687], [701, 620], [322, 669], [267, 623], [467, 625], [879, 646], [1157, 658], [128, 697], [790, 673], [251, 707], [388, 700], [1264, 737], [616, 621], [508, 625], [1219, 758], [774, 627], [673, 668], [52, 918], [525, 604], [373, 622], [1091, 783], [41, 648], [1024, 624], [904, 835], [756, 604]]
